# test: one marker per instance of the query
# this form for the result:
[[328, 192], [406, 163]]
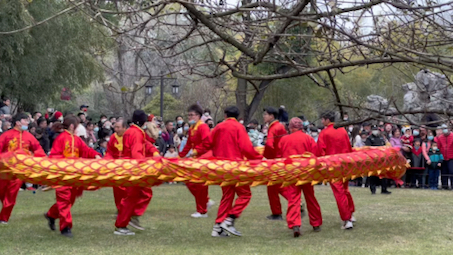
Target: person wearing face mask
[[376, 139], [183, 134], [104, 127], [434, 166], [198, 142], [445, 144], [426, 146], [179, 122], [416, 133], [345, 116], [206, 115], [314, 133], [57, 116], [210, 123], [16, 139], [350, 129], [253, 133]]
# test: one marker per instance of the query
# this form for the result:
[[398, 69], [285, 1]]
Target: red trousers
[[119, 193], [66, 197], [8, 194], [344, 199], [200, 192], [293, 217], [134, 204], [226, 207], [273, 193]]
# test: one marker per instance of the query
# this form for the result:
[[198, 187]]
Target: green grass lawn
[[406, 222]]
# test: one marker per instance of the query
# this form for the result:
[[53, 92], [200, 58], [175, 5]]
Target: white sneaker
[[123, 232], [3, 222], [347, 225], [210, 204], [217, 231], [228, 225], [352, 219], [199, 215]]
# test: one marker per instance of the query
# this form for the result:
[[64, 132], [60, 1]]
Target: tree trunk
[[251, 109], [241, 90]]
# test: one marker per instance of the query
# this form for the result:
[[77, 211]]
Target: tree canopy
[[36, 64]]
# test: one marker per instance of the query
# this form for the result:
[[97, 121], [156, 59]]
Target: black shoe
[[317, 229], [67, 232], [296, 231], [373, 192], [51, 222], [386, 192], [275, 217]]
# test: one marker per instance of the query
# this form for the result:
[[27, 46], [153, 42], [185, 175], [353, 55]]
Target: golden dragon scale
[[385, 162]]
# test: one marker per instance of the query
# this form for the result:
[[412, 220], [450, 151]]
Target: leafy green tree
[[36, 64]]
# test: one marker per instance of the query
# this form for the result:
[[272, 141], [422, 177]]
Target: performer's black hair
[[195, 108], [232, 112], [329, 115], [19, 117], [271, 111]]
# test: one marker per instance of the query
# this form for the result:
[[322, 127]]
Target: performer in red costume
[[16, 139], [67, 145], [271, 151], [198, 142], [336, 141], [137, 198], [115, 151], [231, 141], [297, 143]]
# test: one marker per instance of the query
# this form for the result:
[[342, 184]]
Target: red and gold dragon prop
[[385, 162]]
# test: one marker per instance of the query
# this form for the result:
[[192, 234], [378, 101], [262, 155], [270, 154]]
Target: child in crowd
[[102, 147], [171, 152], [407, 139], [418, 161], [434, 166]]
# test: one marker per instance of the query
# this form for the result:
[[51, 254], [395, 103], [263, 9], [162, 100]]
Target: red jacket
[[445, 144], [333, 141], [14, 140], [114, 147], [135, 144], [67, 145], [275, 133], [198, 140], [229, 140], [297, 143]]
